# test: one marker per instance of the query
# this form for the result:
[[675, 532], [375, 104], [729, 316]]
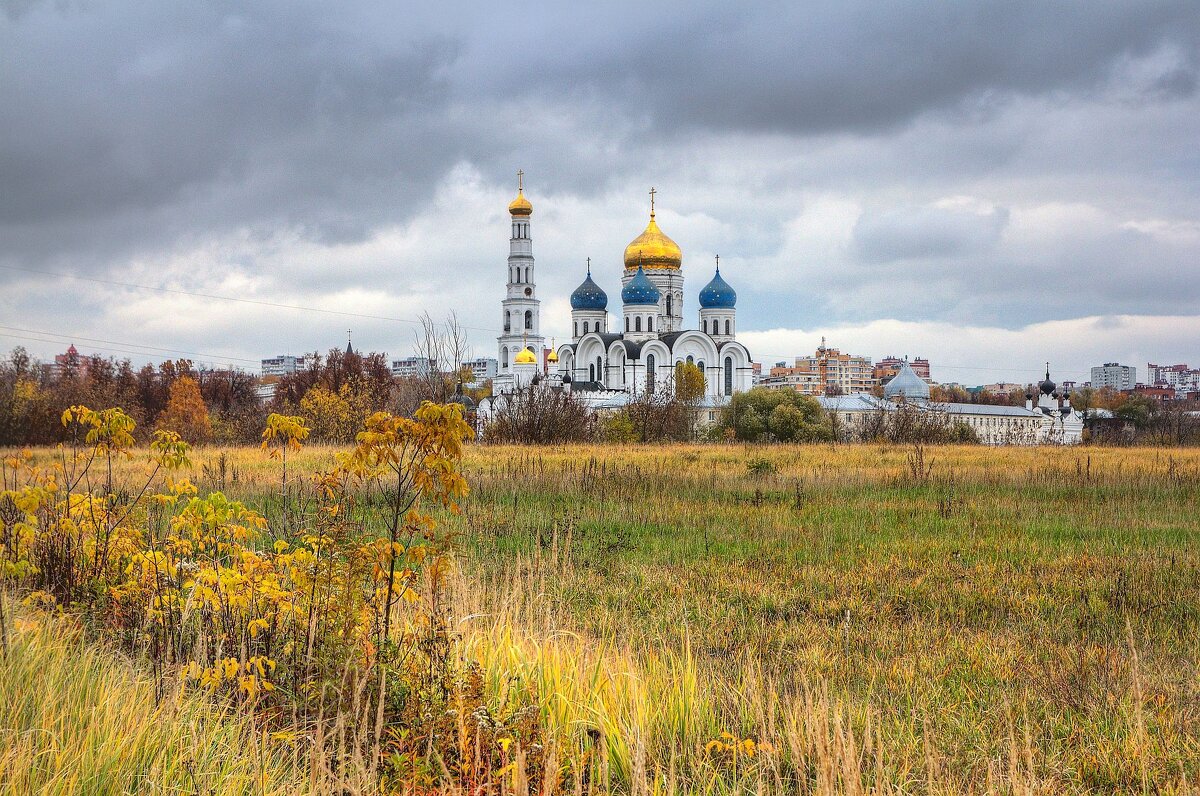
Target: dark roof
[[609, 337], [669, 338], [634, 350]]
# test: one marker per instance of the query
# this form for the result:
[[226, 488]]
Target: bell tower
[[520, 310]]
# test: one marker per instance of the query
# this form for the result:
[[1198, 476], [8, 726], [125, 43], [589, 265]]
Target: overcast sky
[[988, 185]]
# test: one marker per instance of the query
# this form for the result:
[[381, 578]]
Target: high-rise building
[[1183, 379], [70, 363], [282, 365], [482, 368], [413, 367], [826, 372], [1114, 375]]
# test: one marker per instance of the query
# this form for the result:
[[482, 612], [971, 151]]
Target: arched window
[[585, 327], [507, 321], [591, 372], [706, 325], [637, 323], [600, 370], [504, 358], [727, 326], [650, 368], [690, 361], [650, 324], [669, 313], [576, 328], [700, 364], [627, 323], [729, 375], [528, 319]]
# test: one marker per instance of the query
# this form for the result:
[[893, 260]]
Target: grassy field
[[850, 619]]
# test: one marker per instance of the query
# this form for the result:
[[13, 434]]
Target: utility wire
[[101, 350], [73, 337]]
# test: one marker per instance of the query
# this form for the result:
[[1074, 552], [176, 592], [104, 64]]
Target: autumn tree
[[186, 413], [334, 416], [365, 375]]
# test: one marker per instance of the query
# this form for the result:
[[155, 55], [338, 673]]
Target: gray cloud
[[902, 233]]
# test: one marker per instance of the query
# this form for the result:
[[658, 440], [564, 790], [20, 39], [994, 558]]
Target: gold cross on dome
[[718, 262], [520, 180], [652, 192]]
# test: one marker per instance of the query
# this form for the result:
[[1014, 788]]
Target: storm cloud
[[999, 165]]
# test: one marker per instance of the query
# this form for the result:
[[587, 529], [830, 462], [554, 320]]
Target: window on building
[[585, 329], [726, 326], [528, 319], [637, 323], [576, 328], [650, 371], [600, 374], [650, 324], [706, 325], [669, 313], [504, 358], [729, 375], [507, 321], [591, 372]]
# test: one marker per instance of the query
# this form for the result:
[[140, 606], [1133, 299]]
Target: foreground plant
[[325, 615]]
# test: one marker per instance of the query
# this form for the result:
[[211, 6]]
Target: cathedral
[[605, 364]]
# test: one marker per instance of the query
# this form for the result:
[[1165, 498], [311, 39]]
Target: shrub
[[762, 415]]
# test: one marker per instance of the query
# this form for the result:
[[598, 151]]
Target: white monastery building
[[609, 361], [1052, 420]]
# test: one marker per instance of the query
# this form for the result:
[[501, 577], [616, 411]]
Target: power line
[[101, 350], [71, 338], [218, 297]]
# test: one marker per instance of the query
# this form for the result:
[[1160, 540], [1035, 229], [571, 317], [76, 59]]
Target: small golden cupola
[[520, 206], [652, 249], [526, 357]]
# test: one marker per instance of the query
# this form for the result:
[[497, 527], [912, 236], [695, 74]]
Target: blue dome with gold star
[[589, 296], [640, 290], [717, 294]]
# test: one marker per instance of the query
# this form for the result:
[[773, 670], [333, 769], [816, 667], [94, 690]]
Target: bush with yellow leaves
[[337, 611]]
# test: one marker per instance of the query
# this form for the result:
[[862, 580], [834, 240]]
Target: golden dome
[[520, 206], [553, 357], [526, 357], [652, 249]]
